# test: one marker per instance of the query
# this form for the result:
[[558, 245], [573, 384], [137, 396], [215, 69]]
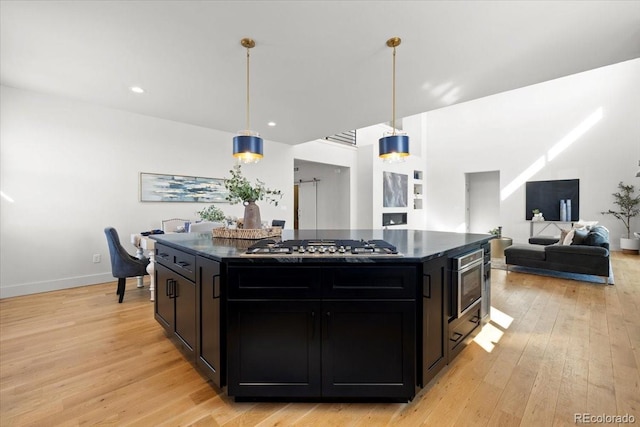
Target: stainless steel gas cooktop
[[322, 247]]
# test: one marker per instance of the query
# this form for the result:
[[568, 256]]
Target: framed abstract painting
[[155, 187], [394, 190]]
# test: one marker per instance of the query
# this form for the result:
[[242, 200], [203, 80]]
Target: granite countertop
[[412, 245]]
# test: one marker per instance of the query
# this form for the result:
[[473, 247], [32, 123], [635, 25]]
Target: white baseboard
[[54, 285]]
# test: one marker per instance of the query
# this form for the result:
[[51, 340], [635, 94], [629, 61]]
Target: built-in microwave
[[468, 282]]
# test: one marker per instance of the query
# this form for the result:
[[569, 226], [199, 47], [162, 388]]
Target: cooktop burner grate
[[322, 247]]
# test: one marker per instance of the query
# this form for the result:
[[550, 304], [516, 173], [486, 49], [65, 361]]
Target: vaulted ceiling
[[318, 68]]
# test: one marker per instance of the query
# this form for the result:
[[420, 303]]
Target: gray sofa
[[587, 254]]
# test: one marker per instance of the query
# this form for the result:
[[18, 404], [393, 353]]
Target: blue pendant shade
[[393, 147], [247, 148]]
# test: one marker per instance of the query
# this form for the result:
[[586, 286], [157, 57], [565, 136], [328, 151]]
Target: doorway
[[322, 196], [482, 201], [306, 205]]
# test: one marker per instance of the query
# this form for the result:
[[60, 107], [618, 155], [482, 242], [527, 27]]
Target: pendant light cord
[[393, 108], [248, 127]]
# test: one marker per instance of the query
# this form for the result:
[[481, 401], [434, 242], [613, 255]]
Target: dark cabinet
[[274, 282], [485, 304], [273, 331], [314, 329], [462, 331], [434, 318], [176, 295], [274, 348], [184, 295], [366, 347], [485, 308], [320, 337], [375, 281], [175, 306], [209, 327], [189, 305], [164, 304]]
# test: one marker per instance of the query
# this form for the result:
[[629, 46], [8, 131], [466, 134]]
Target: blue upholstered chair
[[123, 265]]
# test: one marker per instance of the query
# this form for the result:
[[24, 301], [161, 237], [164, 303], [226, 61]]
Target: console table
[[546, 224]]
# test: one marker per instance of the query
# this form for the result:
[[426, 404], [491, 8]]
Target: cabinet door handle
[[183, 264], [474, 319], [172, 291], [168, 288], [427, 284], [216, 286], [456, 337], [313, 325], [175, 289]]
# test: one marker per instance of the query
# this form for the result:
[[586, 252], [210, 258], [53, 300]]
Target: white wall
[[73, 168], [370, 175], [594, 114], [364, 194]]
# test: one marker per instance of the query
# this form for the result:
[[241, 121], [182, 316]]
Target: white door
[[307, 213]]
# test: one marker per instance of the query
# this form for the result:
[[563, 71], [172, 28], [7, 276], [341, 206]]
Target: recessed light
[[136, 89], [272, 124]]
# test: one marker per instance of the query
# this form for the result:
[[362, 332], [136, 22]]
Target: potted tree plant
[[242, 191], [628, 207]]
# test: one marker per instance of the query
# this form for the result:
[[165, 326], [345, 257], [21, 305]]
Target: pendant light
[[247, 145], [394, 146]]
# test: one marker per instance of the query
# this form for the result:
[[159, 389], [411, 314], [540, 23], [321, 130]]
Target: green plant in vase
[[241, 190], [537, 215]]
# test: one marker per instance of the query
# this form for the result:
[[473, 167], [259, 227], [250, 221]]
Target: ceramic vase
[[251, 216]]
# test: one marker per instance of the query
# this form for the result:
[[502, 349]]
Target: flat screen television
[[546, 195]]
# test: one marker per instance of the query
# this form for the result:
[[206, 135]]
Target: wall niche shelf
[[417, 189]]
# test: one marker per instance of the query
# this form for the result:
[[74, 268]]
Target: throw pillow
[[563, 235], [569, 237], [579, 236], [598, 236], [585, 224]]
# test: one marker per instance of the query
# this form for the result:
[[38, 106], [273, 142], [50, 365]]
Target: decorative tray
[[247, 234]]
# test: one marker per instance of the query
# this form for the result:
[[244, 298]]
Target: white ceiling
[[319, 67]]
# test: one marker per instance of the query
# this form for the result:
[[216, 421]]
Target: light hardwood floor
[[554, 348]]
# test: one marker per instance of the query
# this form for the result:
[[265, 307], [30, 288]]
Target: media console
[[546, 224]]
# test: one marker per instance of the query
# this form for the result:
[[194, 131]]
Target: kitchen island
[[317, 324]]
